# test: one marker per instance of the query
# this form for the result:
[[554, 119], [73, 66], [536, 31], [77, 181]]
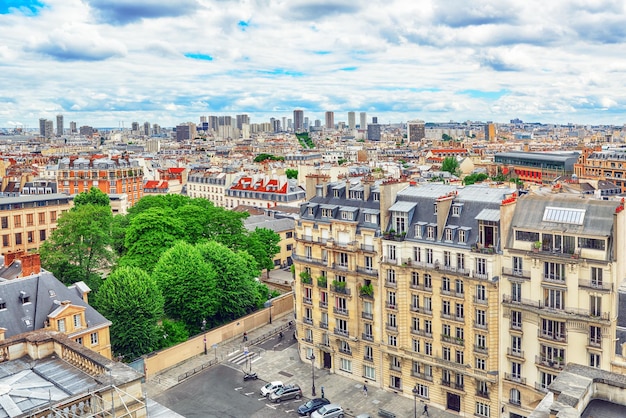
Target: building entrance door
[[327, 361], [454, 402]]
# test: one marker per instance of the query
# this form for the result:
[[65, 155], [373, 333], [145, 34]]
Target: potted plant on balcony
[[339, 286], [536, 246], [367, 290], [305, 277], [322, 281]]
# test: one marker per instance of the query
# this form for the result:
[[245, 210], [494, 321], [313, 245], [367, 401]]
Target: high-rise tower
[[60, 125], [298, 120], [351, 120], [330, 120], [363, 120]]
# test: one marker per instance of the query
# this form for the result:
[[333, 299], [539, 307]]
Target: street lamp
[[204, 338], [415, 392], [313, 373]]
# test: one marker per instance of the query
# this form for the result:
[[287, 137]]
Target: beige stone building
[[437, 291]]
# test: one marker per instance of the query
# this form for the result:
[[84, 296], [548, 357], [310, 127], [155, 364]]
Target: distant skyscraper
[[490, 132], [363, 120], [375, 120], [284, 124], [73, 127], [42, 127], [185, 131], [146, 128], [135, 127], [330, 120], [241, 119], [60, 126], [306, 123], [317, 123], [298, 120], [213, 123], [351, 120], [415, 130], [49, 129], [373, 131]]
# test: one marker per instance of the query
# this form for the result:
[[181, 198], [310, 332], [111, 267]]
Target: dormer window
[[346, 215], [456, 210], [435, 208], [448, 234], [311, 211], [375, 197], [336, 193], [431, 232], [24, 298], [327, 213]]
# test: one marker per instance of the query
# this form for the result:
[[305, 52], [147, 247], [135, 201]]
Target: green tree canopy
[[263, 246], [133, 302], [94, 196], [451, 165], [80, 246], [148, 235], [475, 178], [291, 173], [236, 279], [188, 285]]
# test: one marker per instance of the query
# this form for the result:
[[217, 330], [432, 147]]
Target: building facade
[[469, 298]]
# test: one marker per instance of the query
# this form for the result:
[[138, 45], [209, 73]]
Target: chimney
[[2, 331], [9, 257], [31, 264]]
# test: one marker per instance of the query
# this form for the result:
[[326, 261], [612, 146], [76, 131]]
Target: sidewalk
[[286, 365]]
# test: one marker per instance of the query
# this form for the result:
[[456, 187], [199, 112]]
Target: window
[[596, 277], [42, 235], [458, 287], [554, 271], [79, 340], [371, 218], [481, 293], [31, 236], [77, 321], [595, 335], [422, 391], [456, 210], [289, 234], [516, 345], [431, 232], [327, 213], [516, 320], [428, 284], [553, 329], [460, 356], [482, 388], [345, 347], [400, 221], [61, 325], [447, 234], [346, 365], [480, 363], [546, 379], [346, 215], [343, 259], [393, 340], [369, 372], [445, 330], [594, 360], [462, 236], [460, 261], [5, 222], [416, 345], [518, 265], [481, 341], [391, 252], [482, 409], [428, 348], [415, 278], [481, 318], [53, 216], [445, 284], [459, 334], [460, 311], [396, 382], [428, 326], [481, 266], [516, 292], [391, 276], [429, 256], [17, 221], [445, 307], [418, 231], [417, 254], [369, 353], [515, 397], [18, 238], [446, 353], [516, 370], [595, 305], [395, 363], [554, 298]]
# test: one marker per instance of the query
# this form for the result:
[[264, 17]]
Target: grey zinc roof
[[492, 215], [263, 221], [403, 206], [598, 219], [45, 292]]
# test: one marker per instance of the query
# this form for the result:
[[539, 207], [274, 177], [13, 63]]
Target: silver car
[[332, 410]]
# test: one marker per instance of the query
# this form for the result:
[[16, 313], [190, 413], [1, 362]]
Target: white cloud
[[102, 61]]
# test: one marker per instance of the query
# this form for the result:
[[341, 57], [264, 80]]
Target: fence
[[169, 357]]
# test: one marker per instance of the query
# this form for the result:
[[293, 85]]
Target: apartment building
[[27, 220], [561, 268], [263, 191], [114, 175], [209, 185], [469, 298], [607, 164]]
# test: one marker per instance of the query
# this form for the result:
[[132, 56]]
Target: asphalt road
[[221, 392]]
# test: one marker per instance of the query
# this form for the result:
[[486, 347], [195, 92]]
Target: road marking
[[289, 410], [261, 399], [258, 358], [239, 388], [270, 406], [249, 393], [234, 352]]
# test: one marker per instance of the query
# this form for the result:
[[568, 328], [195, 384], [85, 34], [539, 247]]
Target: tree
[[80, 245], [263, 246], [236, 279], [446, 137], [451, 165], [188, 285], [133, 302], [475, 178], [94, 196], [148, 235], [173, 332], [291, 173]]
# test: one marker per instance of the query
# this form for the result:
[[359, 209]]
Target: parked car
[[331, 410], [312, 405], [271, 387], [363, 416], [286, 392]]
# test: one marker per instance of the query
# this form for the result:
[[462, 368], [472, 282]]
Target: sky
[[108, 63]]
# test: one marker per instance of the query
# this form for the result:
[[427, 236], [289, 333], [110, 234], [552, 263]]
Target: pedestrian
[[323, 392], [426, 410], [245, 337], [365, 390]]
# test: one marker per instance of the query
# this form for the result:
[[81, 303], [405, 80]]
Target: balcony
[[554, 279], [324, 305], [480, 300], [480, 349], [367, 270], [367, 315], [459, 386], [368, 358], [341, 332], [422, 376], [309, 260], [368, 248], [541, 387], [515, 353], [344, 351], [390, 305], [446, 383], [480, 275], [308, 340], [392, 284], [391, 260], [524, 274], [552, 336], [367, 337], [422, 333], [482, 394], [514, 378], [324, 325], [341, 266], [515, 402], [565, 311], [452, 340], [595, 285], [307, 320], [395, 368], [480, 325], [308, 301], [340, 288], [595, 342], [390, 327], [340, 311], [421, 310], [553, 363]]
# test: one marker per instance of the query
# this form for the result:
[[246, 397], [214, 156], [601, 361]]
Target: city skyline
[[104, 62]]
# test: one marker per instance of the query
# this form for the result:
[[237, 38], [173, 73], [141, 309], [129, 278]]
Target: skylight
[[564, 215]]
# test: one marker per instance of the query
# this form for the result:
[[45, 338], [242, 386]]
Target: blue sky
[[107, 62]]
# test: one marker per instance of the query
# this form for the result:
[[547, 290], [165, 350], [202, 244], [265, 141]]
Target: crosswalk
[[243, 357]]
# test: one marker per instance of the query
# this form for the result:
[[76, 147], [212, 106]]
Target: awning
[[490, 215], [403, 206]]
